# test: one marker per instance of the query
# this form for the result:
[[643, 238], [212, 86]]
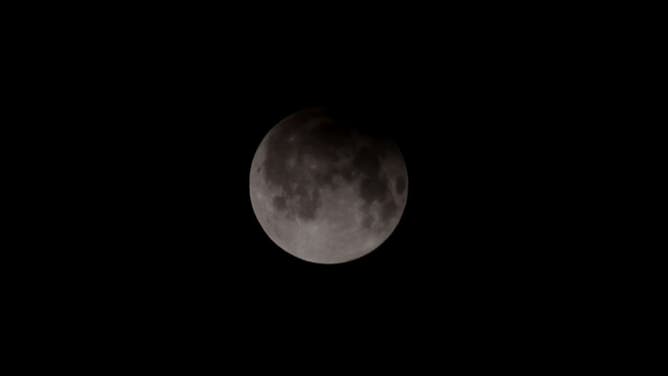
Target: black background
[[162, 114]]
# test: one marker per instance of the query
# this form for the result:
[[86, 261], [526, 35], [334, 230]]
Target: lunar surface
[[326, 192]]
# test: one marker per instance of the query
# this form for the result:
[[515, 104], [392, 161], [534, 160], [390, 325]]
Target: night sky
[[473, 229], [168, 124]]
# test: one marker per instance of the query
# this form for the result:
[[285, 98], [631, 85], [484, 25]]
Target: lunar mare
[[326, 192]]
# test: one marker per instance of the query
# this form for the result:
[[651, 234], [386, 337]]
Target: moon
[[324, 191]]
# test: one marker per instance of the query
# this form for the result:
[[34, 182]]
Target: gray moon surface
[[326, 192]]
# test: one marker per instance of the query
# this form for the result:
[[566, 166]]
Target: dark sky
[[182, 136], [168, 120]]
